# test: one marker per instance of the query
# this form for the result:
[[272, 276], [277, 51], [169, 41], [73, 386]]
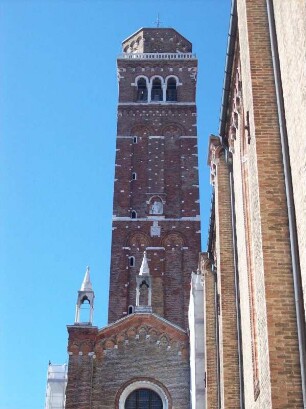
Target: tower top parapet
[[156, 40]]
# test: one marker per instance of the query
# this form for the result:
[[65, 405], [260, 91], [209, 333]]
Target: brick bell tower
[[156, 192], [141, 358]]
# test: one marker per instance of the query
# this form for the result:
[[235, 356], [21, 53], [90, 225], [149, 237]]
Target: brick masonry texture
[[226, 288], [266, 300], [164, 158], [138, 347], [209, 282], [162, 40], [290, 17]]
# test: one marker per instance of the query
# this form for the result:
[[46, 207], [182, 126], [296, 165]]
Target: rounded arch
[[143, 383], [175, 77], [157, 88], [171, 90], [139, 240], [140, 77], [156, 205], [157, 77], [173, 129], [141, 130], [172, 240]]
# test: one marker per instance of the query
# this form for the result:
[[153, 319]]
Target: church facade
[[141, 358]]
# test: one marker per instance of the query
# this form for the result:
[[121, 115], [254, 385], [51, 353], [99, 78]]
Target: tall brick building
[[254, 271], [141, 359]]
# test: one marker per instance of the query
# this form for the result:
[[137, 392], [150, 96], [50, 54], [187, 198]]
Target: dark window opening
[[130, 310], [134, 176], [133, 214], [143, 399], [157, 92], [135, 139], [142, 91], [171, 94], [132, 261]]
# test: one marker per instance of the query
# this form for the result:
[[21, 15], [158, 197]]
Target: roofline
[[155, 28], [112, 324], [228, 67]]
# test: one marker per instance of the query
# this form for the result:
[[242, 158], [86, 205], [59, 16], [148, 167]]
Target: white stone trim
[[156, 137], [151, 218], [157, 56], [143, 385], [157, 102], [155, 248], [175, 77]]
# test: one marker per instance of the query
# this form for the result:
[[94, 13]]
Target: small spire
[[144, 269], [86, 284]]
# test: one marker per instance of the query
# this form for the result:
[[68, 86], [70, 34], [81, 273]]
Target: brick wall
[[152, 40], [157, 141], [138, 348], [209, 281], [290, 20], [228, 346], [278, 360]]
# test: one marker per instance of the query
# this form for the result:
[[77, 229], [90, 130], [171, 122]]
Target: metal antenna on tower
[[158, 22]]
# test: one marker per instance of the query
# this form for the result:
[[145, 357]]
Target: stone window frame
[[143, 385], [147, 81], [177, 81]]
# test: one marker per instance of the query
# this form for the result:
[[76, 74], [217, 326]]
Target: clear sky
[[58, 95]]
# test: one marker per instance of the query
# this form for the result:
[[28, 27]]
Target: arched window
[[142, 91], [133, 214], [143, 394], [134, 176], [130, 309], [132, 261], [143, 399], [157, 92], [171, 93]]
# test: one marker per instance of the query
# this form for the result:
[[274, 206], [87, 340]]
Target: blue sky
[[58, 95]]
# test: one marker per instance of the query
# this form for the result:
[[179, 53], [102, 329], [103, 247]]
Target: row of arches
[[156, 89], [141, 240]]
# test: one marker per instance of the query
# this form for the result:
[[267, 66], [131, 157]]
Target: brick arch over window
[[138, 240], [173, 240], [141, 130], [173, 130]]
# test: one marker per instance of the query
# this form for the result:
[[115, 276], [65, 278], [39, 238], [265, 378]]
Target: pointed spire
[[144, 269], [86, 284]]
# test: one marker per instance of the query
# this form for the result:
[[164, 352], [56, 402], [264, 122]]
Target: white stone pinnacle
[[144, 269], [86, 284]]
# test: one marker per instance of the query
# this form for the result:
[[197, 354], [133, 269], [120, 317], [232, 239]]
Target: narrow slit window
[[133, 214], [134, 176], [132, 261], [171, 94], [130, 309], [135, 140]]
